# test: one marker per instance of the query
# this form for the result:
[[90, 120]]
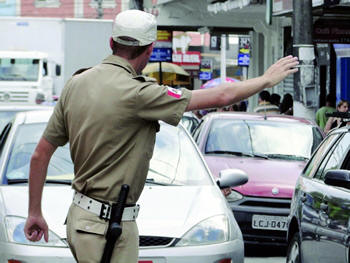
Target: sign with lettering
[[243, 59], [203, 75], [162, 50], [332, 31], [187, 58]]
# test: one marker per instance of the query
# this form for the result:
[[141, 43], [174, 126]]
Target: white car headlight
[[210, 231], [15, 234], [234, 196]]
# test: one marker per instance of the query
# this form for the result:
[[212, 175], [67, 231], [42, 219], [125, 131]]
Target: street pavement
[[263, 254]]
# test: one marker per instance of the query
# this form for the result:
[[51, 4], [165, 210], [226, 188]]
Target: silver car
[[183, 216]]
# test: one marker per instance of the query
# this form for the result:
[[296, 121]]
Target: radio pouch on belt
[[114, 229]]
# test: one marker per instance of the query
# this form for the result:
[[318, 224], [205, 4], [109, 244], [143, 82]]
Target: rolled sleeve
[[56, 132], [155, 102]]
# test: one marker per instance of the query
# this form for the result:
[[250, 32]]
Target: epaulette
[[144, 78]]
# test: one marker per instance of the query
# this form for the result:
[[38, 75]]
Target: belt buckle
[[105, 212]]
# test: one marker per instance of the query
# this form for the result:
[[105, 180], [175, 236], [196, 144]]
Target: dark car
[[319, 220], [272, 150]]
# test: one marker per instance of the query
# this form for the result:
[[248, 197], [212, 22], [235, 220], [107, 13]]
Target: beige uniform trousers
[[86, 238]]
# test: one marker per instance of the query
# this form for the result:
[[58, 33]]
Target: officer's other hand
[[35, 228], [281, 69]]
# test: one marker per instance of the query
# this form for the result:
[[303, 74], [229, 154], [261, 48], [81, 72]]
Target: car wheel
[[293, 252]]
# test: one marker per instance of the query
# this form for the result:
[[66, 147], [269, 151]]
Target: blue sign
[[203, 75], [243, 59], [161, 54]]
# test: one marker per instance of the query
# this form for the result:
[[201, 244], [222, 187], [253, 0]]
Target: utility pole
[[139, 4], [305, 93], [99, 9], [223, 58]]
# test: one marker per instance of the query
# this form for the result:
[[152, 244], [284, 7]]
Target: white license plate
[[269, 222]]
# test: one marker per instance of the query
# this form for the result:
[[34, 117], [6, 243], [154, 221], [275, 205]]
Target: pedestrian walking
[[109, 115]]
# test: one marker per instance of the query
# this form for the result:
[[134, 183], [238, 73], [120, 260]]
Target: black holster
[[114, 228]]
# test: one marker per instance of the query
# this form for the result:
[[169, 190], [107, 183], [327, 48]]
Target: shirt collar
[[116, 60]]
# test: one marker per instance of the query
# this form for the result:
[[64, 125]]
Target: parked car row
[[183, 216]]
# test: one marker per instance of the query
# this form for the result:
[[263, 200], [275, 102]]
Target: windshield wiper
[[21, 181], [50, 181], [288, 157], [230, 152], [17, 181]]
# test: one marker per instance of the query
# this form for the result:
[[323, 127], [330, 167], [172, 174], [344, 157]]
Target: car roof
[[38, 116], [257, 116]]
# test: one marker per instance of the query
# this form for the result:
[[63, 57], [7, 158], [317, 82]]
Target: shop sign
[[161, 55], [206, 65], [162, 50], [244, 51], [332, 31], [192, 58], [205, 75], [243, 59]]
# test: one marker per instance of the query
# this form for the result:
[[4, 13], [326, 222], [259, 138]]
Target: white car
[[183, 216], [7, 112]]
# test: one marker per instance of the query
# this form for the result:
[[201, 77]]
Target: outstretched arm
[[232, 92], [36, 226]]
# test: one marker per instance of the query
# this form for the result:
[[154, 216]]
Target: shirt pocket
[[91, 227]]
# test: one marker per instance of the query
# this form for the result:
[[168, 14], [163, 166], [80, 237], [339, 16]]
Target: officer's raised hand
[[281, 69]]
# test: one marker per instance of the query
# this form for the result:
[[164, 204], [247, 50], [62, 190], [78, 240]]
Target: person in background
[[286, 106], [321, 118], [275, 99], [243, 105], [334, 122], [264, 104]]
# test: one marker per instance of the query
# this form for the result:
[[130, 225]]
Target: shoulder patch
[[144, 78], [176, 93]]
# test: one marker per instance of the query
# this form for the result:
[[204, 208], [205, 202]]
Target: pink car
[[272, 150]]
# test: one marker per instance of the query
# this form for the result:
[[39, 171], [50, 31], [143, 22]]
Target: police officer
[[109, 115]]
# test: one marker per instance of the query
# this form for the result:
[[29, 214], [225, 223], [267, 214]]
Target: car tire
[[293, 251]]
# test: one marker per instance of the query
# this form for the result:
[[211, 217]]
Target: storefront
[[331, 38]]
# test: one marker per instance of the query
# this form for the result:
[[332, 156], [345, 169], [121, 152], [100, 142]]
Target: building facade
[[63, 8]]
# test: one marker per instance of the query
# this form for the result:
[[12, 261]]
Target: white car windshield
[[289, 141], [175, 160]]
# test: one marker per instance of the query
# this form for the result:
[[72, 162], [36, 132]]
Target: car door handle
[[324, 207]]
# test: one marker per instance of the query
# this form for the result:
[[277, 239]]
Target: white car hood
[[165, 210], [55, 204]]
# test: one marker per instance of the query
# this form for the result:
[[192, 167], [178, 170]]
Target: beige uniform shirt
[[110, 117]]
